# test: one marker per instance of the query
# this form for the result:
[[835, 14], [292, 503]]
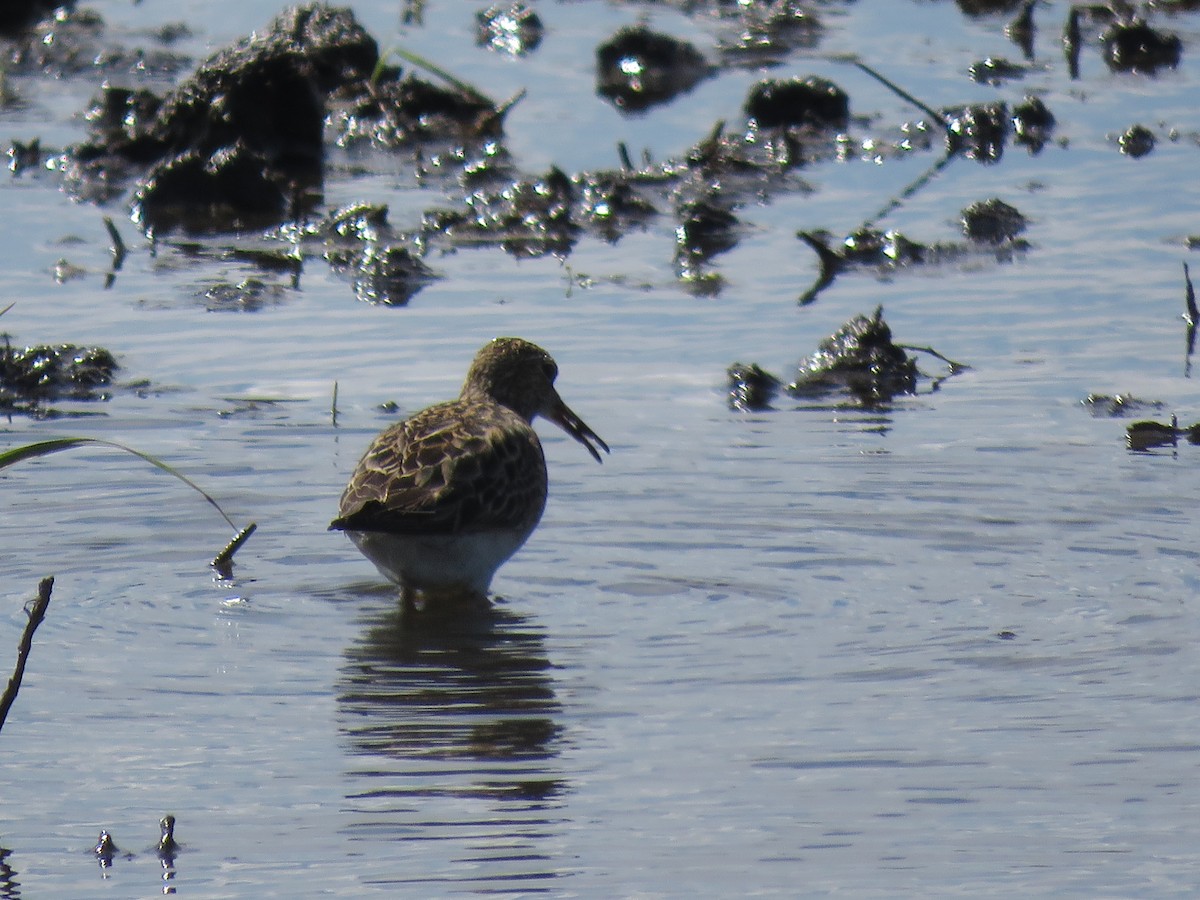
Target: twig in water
[[223, 561], [623, 155], [118, 245], [910, 190], [1072, 40], [1193, 315], [36, 610], [955, 367], [333, 408], [901, 92], [503, 108], [1192, 318], [831, 265]]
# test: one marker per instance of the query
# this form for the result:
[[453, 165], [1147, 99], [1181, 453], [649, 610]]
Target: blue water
[[945, 649]]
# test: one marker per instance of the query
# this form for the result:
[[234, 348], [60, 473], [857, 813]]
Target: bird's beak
[[560, 414]]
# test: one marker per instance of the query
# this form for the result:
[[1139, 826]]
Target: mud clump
[[638, 68], [995, 70], [385, 274], [245, 129], [977, 132], [396, 110], [528, 219], [992, 222], [16, 15], [31, 377], [1115, 406], [227, 190], [65, 40], [859, 358], [812, 101], [1137, 141], [1033, 123], [706, 228], [1147, 435], [1133, 46], [751, 389], [768, 31], [515, 29]]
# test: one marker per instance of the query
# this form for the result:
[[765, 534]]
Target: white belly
[[440, 564]]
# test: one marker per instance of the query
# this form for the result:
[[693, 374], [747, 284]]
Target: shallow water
[[940, 649]]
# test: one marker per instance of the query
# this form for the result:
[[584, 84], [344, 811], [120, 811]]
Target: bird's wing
[[449, 468]]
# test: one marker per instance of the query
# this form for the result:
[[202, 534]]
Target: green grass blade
[[457, 83], [55, 445]]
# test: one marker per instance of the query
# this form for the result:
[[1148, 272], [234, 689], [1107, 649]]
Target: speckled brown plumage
[[442, 499]]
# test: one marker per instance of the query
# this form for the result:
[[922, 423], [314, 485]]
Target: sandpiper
[[440, 500]]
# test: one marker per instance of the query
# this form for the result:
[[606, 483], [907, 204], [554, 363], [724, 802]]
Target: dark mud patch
[[859, 361], [34, 377]]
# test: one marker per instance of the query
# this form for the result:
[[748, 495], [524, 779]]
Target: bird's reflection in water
[[451, 722]]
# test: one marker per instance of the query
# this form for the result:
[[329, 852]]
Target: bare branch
[[36, 610]]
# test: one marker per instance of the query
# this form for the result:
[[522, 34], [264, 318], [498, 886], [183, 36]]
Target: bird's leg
[[408, 599]]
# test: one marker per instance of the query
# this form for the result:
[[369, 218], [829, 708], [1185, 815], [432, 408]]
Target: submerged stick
[[955, 367], [223, 561], [36, 610], [118, 245], [1192, 318], [902, 93], [831, 265], [1193, 315], [909, 190]]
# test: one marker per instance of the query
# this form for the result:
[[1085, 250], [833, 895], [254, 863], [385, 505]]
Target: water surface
[[943, 648]]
